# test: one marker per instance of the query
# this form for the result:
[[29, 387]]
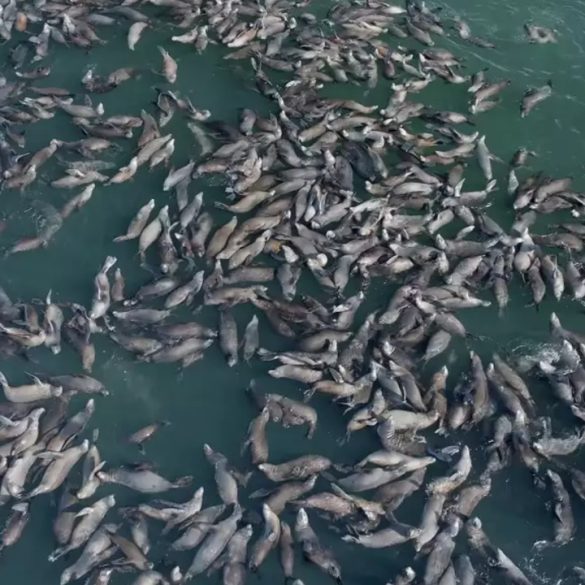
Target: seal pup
[[146, 433]]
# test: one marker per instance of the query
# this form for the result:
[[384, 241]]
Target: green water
[[206, 403]]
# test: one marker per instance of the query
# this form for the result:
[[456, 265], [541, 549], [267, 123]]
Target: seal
[[267, 541], [533, 97], [15, 525], [256, 439], [200, 525], [29, 392], [101, 299], [144, 481], [134, 33], [227, 485], [564, 522], [91, 518], [234, 570], [57, 471], [146, 433], [286, 550], [461, 470], [125, 173], [287, 492], [387, 537], [97, 551], [442, 548], [214, 544], [312, 549], [296, 469], [228, 337], [169, 66]]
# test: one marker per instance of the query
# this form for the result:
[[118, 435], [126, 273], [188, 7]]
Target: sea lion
[[178, 175], [312, 549], [468, 498], [333, 505], [15, 525], [429, 526], [91, 465], [549, 446], [440, 556], [57, 471], [29, 392], [200, 525], [173, 514], [152, 144], [91, 517], [495, 557], [151, 232], [16, 475], [134, 32], [125, 173], [228, 337], [214, 544], [278, 499], [296, 469], [539, 34], [257, 441], [385, 538], [197, 528], [461, 470], [267, 541], [564, 523], [288, 411], [146, 433], [406, 577], [144, 481], [78, 201], [286, 550], [185, 330], [227, 485], [376, 477], [80, 111], [143, 346], [251, 339], [118, 286], [97, 550], [513, 379], [78, 384], [186, 292], [142, 316], [391, 495], [28, 438], [190, 211], [101, 299], [179, 351], [234, 570], [533, 97]]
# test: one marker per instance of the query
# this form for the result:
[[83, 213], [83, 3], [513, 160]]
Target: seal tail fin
[[183, 481]]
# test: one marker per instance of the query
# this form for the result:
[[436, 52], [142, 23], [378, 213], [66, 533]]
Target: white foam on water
[[528, 355]]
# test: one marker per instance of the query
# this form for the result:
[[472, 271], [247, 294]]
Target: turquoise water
[[206, 403]]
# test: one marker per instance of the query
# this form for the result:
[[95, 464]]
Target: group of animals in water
[[311, 191]]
